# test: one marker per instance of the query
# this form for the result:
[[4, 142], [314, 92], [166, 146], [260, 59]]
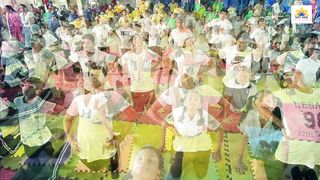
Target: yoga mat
[[234, 144]]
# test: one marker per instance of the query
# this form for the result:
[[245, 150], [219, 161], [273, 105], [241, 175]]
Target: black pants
[[33, 152], [306, 173]]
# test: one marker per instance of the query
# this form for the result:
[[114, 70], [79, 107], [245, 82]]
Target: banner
[[301, 14]]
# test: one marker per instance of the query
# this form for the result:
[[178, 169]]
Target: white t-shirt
[[222, 24], [95, 127], [99, 57], [40, 64], [65, 37], [276, 8], [308, 68], [125, 34], [139, 67], [32, 121], [154, 35], [233, 56], [189, 62], [101, 33], [260, 36], [179, 37], [193, 136]]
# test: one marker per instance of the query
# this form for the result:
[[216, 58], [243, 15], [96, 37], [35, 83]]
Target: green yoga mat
[[234, 142]]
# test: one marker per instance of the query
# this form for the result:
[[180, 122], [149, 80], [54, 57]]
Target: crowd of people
[[194, 68]]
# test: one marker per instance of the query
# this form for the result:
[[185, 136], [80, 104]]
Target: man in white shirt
[[101, 31], [262, 40], [309, 67], [223, 23]]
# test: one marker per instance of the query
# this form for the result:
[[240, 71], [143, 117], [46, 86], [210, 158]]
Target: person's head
[[28, 91], [180, 23], [63, 22], [23, 8], [9, 8], [137, 27], [189, 44], [97, 78], [242, 41], [242, 75], [297, 80], [37, 43], [147, 164], [280, 28], [223, 15], [97, 18], [261, 23], [137, 41], [88, 43], [276, 42], [72, 10]]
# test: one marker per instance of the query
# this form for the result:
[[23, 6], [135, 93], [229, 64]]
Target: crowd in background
[[216, 66]]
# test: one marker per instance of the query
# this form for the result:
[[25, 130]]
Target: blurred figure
[[14, 23]]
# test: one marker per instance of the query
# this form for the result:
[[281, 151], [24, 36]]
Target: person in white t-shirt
[[262, 41], [89, 57], [309, 67], [188, 106], [95, 140], [179, 35], [139, 63], [125, 33], [63, 32], [154, 40], [223, 24], [101, 30], [189, 60], [32, 108]]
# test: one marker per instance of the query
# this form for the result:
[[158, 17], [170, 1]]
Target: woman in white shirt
[[125, 33], [139, 63], [191, 121], [179, 35], [95, 140], [189, 60], [192, 142]]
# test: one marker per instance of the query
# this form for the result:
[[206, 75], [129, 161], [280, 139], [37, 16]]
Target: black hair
[[24, 6], [62, 18], [10, 8], [260, 20], [224, 10]]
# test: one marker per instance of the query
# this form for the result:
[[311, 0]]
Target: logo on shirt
[[301, 14]]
